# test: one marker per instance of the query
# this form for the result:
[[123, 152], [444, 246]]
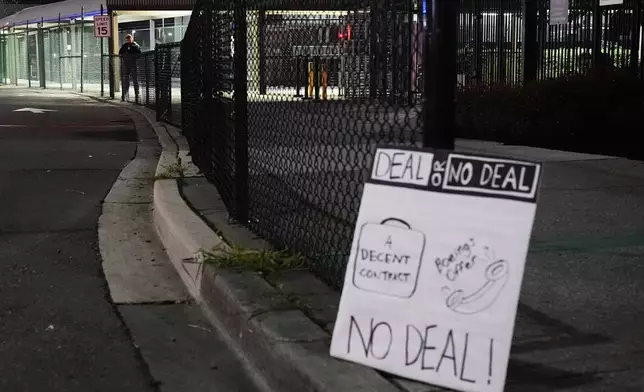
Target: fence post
[[440, 74], [530, 46], [597, 34], [60, 54], [3, 57], [183, 73], [241, 120], [635, 36], [261, 22], [157, 83], [113, 50], [316, 77], [110, 57], [147, 79], [111, 76], [28, 55], [298, 67], [41, 53], [478, 42], [168, 62], [203, 119], [101, 59], [16, 55], [373, 48], [413, 52], [500, 37], [82, 49]]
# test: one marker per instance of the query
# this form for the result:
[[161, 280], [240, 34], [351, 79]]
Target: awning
[[68, 9], [142, 5]]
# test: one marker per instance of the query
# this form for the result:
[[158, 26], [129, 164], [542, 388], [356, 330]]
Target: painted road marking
[[35, 110]]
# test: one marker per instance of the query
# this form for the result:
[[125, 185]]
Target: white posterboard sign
[[558, 12], [102, 26], [610, 2], [433, 279]]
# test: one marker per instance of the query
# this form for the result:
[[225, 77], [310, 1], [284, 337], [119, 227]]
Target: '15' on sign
[[102, 27]]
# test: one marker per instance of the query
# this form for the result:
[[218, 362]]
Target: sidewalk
[[579, 324]]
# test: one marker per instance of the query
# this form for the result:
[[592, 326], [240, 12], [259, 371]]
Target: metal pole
[[110, 58], [373, 49], [411, 52], [306, 78], [500, 38], [168, 61], [241, 118], [101, 57], [60, 54], [41, 54], [298, 65], [2, 56], [597, 34], [635, 38], [3, 53], [146, 69], [28, 56], [478, 43], [157, 83], [82, 41], [316, 77], [440, 74], [261, 23]]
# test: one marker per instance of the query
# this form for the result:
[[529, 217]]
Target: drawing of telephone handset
[[496, 276]]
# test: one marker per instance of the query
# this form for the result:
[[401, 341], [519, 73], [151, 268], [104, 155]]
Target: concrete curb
[[135, 270], [290, 351]]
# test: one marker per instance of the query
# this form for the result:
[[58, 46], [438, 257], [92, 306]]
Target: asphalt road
[[58, 331]]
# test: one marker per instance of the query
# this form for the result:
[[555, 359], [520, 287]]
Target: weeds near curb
[[261, 261], [175, 170]]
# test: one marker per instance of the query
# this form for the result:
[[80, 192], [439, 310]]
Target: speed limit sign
[[102, 26]]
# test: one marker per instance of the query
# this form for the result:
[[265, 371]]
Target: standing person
[[129, 54]]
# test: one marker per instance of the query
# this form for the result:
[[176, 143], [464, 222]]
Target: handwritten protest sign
[[434, 275]]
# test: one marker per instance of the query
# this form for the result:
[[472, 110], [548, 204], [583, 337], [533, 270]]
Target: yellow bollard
[[311, 80], [325, 79]]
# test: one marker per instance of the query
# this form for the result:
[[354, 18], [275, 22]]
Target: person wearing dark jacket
[[129, 53]]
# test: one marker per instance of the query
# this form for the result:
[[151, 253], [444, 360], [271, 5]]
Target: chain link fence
[[137, 78], [168, 65], [4, 77], [285, 101], [65, 56], [208, 117], [283, 111], [151, 79]]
